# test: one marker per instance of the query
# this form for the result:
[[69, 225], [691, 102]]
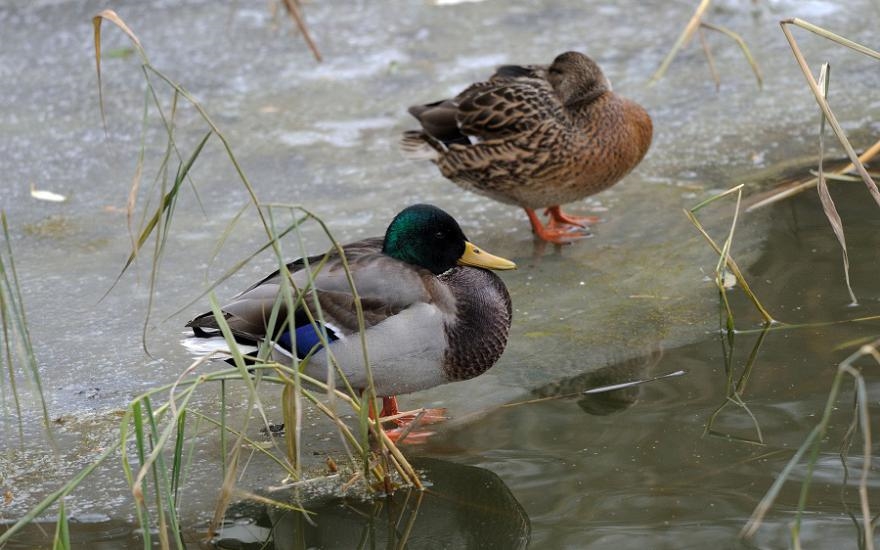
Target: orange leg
[[558, 217], [389, 406], [405, 422], [555, 232]]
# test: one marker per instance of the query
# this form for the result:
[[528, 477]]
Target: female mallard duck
[[431, 314], [535, 136]]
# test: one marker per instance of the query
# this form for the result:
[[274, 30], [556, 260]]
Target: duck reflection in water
[[464, 507], [607, 390]]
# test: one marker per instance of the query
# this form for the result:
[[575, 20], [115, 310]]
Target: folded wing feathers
[[513, 101], [385, 289]]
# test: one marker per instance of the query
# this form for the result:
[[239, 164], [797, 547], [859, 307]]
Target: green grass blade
[[227, 231], [156, 468], [10, 354], [290, 413], [163, 209], [224, 446], [250, 442], [62, 529], [271, 243], [177, 464], [15, 327]]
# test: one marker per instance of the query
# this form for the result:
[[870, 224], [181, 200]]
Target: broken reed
[[828, 206], [734, 392], [819, 89], [811, 445], [295, 11], [725, 261], [695, 25]]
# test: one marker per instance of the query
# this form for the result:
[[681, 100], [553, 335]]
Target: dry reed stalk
[[695, 25], [683, 39], [820, 99], [856, 162], [824, 195], [724, 258], [812, 182], [292, 7]]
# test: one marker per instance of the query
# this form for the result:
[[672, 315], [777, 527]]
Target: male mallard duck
[[535, 136], [432, 315]]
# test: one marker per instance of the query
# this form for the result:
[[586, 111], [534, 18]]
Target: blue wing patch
[[307, 339]]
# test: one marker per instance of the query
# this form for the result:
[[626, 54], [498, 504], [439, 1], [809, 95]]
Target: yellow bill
[[475, 257]]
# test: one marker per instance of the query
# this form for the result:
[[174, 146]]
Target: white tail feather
[[199, 347]]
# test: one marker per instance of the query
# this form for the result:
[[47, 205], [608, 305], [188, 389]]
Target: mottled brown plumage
[[535, 136]]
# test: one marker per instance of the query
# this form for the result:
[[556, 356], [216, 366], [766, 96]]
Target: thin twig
[[681, 41], [742, 45], [294, 11], [812, 182], [710, 59]]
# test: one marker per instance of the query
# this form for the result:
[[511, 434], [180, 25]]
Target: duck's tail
[[216, 346], [417, 145]]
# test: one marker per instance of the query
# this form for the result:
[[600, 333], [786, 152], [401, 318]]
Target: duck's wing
[[386, 286], [371, 245], [505, 107], [514, 100]]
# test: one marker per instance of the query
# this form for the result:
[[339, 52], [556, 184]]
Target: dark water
[[636, 468]]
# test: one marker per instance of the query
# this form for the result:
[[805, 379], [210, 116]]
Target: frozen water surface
[[631, 302]]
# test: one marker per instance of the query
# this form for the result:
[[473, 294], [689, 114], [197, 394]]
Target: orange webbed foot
[[409, 425], [556, 232], [419, 416], [408, 422], [558, 217], [408, 435]]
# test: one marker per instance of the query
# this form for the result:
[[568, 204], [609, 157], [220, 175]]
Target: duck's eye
[[554, 70], [439, 235]]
